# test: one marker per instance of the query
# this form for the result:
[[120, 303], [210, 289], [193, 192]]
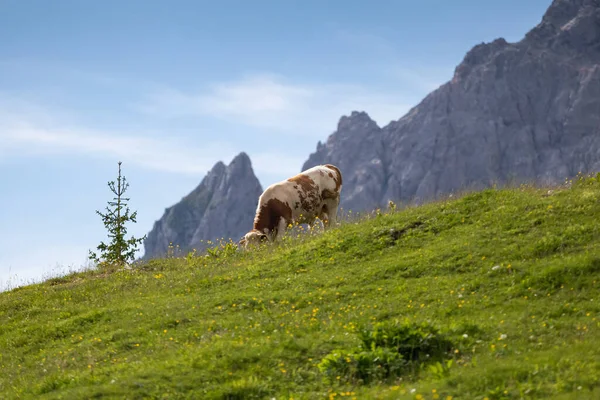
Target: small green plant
[[362, 366], [441, 370], [173, 250], [387, 351], [120, 250], [222, 250], [414, 342], [582, 180], [190, 256]]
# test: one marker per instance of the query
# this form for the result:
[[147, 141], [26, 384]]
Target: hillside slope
[[513, 112], [510, 278]]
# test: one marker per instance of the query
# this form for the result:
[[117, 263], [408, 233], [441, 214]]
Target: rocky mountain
[[222, 206], [525, 111]]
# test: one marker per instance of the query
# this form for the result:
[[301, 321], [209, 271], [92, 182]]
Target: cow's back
[[304, 193], [327, 178]]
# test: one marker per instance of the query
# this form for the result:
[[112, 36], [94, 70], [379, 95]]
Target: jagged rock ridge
[[525, 111], [222, 206]]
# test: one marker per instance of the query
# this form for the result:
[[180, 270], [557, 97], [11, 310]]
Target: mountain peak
[[218, 168], [478, 55], [240, 170], [356, 119], [569, 25], [561, 12], [242, 158], [199, 217]]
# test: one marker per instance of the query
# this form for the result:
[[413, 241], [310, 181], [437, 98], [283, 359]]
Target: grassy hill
[[492, 295]]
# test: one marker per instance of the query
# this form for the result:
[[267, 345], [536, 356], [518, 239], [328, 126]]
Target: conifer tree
[[120, 250]]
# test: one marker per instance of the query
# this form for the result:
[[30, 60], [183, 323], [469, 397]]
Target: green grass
[[492, 295]]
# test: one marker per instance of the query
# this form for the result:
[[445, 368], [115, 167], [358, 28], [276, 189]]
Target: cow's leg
[[332, 212], [280, 229], [324, 217], [329, 212], [331, 201]]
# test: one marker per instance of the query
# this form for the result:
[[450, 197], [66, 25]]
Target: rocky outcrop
[[356, 148], [526, 111], [222, 206]]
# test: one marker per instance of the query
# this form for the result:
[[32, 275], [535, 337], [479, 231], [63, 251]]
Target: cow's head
[[253, 238]]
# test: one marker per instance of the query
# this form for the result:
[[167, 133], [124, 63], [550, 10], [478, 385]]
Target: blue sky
[[172, 87]]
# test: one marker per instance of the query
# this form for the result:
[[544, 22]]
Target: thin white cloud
[[24, 138], [30, 130], [272, 103], [248, 101]]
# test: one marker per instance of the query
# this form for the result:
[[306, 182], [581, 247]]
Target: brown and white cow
[[300, 199]]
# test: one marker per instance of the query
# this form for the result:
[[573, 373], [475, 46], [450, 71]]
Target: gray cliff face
[[222, 206], [528, 111], [356, 148]]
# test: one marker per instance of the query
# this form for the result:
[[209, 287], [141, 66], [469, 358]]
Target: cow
[[314, 193]]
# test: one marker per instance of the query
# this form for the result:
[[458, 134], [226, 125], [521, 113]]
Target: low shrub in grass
[[387, 351]]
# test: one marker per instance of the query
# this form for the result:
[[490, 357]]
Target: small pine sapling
[[119, 251]]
